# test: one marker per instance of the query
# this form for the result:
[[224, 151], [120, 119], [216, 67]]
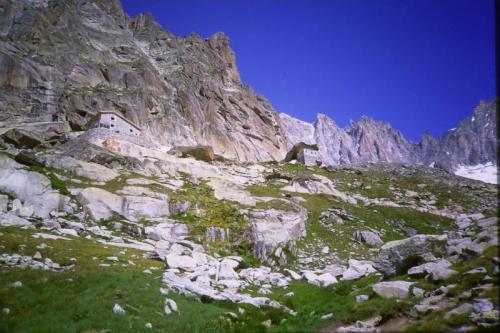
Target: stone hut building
[[114, 122], [304, 153]]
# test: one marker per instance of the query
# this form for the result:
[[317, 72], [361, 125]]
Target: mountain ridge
[[472, 142]]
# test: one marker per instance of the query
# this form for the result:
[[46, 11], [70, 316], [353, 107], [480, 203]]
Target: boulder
[[100, 204], [226, 270], [334, 216], [11, 219], [398, 256], [21, 138], [317, 184], [137, 207], [186, 263], [33, 189], [92, 171], [28, 157], [273, 228], [170, 231], [437, 270], [202, 153], [368, 237], [362, 326], [321, 280], [357, 269], [392, 289]]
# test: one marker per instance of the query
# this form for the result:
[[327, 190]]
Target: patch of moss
[[55, 182]]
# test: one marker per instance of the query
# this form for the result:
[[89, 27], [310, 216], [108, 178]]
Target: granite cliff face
[[67, 60], [473, 142]]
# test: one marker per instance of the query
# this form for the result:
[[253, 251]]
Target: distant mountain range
[[472, 142]]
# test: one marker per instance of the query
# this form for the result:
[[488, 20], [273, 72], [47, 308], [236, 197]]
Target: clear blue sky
[[417, 64]]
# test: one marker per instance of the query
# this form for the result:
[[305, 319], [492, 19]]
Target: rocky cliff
[[473, 142], [67, 60]]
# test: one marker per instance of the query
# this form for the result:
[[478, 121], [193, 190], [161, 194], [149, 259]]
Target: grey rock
[[4, 201], [362, 298], [392, 289], [437, 270], [397, 256], [368, 237], [461, 309], [118, 309], [273, 228], [33, 189], [482, 305]]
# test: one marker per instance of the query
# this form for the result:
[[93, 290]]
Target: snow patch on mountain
[[484, 172]]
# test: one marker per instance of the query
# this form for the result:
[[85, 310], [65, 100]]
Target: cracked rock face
[[68, 59]]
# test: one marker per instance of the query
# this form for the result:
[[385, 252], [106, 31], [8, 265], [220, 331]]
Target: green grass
[[49, 302], [338, 237]]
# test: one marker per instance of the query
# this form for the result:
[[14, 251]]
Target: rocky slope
[[66, 60], [157, 238], [473, 142]]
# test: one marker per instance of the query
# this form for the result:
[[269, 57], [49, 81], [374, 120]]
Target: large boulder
[[170, 231], [398, 256], [436, 271], [92, 171], [392, 289], [202, 153], [274, 229], [138, 207], [10, 219], [316, 184], [101, 204], [357, 269], [82, 149], [33, 189], [21, 138]]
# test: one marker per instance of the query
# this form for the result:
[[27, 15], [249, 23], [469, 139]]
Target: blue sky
[[417, 64]]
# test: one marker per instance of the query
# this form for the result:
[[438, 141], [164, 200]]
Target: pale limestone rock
[[10, 219], [437, 270], [179, 261], [167, 231], [33, 189], [118, 309], [358, 269], [92, 171], [392, 289], [368, 237]]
